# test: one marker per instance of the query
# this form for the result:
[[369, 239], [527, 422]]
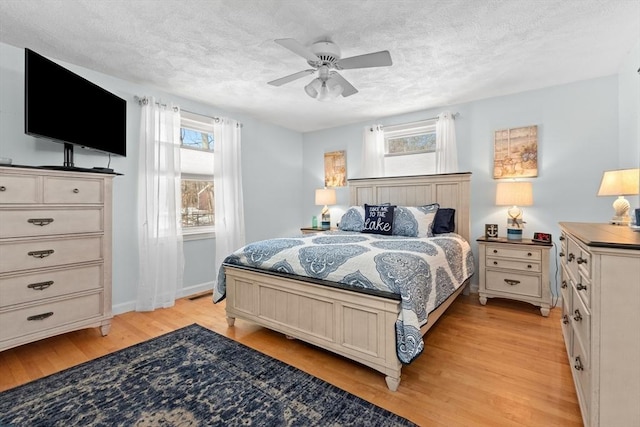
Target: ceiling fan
[[324, 57]]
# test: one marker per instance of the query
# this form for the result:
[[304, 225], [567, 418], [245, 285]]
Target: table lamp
[[325, 196], [514, 194], [621, 182]]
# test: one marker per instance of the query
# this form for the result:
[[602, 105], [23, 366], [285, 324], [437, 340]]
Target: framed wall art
[[335, 169], [515, 153]]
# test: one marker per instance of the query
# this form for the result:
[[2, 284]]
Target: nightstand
[[313, 230], [515, 269]]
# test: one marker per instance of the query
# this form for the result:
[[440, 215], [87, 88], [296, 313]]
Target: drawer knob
[[561, 254], [75, 190], [40, 316], [3, 188], [581, 260], [571, 257], [495, 251], [40, 286], [578, 366], [581, 287], [41, 254], [529, 254], [495, 262], [577, 316], [561, 238], [565, 319], [564, 284], [511, 282], [40, 221], [529, 266]]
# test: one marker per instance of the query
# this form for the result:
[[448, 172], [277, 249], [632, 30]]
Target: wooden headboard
[[452, 190]]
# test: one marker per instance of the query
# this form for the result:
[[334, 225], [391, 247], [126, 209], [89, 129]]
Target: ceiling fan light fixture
[[313, 88], [329, 90]]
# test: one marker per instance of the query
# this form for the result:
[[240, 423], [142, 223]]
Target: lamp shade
[[622, 182], [325, 196], [514, 194]]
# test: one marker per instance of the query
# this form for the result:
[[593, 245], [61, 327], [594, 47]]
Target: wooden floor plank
[[496, 365]]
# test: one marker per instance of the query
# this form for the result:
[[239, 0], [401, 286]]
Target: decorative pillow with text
[[378, 219]]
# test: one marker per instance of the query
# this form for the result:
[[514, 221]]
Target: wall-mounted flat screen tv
[[64, 107]]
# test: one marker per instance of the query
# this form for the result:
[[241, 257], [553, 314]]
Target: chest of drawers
[[55, 253], [515, 269], [600, 286]]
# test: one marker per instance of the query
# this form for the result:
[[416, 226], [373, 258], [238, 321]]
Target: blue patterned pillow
[[352, 220], [414, 221], [378, 219]]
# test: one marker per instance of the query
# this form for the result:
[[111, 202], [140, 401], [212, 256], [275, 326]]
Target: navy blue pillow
[[444, 222], [378, 219]]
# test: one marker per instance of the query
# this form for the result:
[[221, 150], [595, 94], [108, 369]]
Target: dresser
[[55, 253], [600, 286], [515, 269]]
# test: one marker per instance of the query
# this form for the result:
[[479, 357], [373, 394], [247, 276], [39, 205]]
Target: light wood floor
[[496, 365]]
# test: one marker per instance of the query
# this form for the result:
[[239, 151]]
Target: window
[[410, 138], [196, 166], [410, 148]]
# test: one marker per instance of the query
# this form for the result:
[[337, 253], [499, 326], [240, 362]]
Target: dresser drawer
[[566, 287], [29, 320], [18, 189], [47, 222], [581, 368], [567, 329], [513, 264], [516, 253], [583, 288], [581, 321], [520, 284], [43, 253], [49, 284], [72, 190], [583, 260]]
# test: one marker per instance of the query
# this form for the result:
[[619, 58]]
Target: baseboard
[[188, 291]]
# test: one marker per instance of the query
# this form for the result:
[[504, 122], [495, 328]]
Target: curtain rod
[[144, 100], [380, 127]]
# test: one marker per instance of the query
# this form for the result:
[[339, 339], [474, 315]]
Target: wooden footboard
[[358, 326]]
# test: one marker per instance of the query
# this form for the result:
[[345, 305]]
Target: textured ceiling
[[221, 52]]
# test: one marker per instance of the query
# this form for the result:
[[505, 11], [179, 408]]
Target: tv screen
[[64, 107]]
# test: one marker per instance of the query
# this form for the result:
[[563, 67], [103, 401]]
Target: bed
[[364, 325]]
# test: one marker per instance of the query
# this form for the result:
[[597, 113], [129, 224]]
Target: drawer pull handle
[[577, 316], [581, 287], [3, 188], [495, 262], [571, 257], [561, 237], [561, 254], [581, 260], [40, 221], [564, 284], [40, 316], [511, 282], [40, 286], [565, 319], [75, 190], [41, 254], [578, 365], [529, 266]]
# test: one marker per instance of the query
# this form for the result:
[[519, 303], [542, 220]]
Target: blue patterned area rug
[[189, 377]]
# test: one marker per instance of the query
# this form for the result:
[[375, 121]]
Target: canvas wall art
[[515, 153]]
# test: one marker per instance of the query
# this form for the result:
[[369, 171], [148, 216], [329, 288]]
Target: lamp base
[[514, 233], [620, 220]]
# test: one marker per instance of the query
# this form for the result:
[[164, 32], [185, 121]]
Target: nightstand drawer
[[513, 264], [502, 252], [520, 284]]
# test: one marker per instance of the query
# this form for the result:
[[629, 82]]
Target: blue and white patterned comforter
[[423, 271]]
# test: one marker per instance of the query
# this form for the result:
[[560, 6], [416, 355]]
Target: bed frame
[[355, 325]]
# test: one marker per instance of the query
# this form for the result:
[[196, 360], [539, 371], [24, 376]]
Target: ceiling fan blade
[[348, 88], [294, 46], [375, 59], [292, 77]]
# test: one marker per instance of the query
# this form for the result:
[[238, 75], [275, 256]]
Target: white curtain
[[159, 189], [372, 152], [446, 150], [227, 184]]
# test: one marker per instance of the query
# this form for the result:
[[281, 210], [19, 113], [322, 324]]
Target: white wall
[[577, 140], [271, 156]]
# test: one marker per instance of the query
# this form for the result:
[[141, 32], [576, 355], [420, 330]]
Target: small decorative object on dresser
[[600, 289], [55, 253], [517, 270], [491, 231]]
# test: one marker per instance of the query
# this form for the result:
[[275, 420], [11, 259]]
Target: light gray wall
[[580, 134], [271, 157]]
